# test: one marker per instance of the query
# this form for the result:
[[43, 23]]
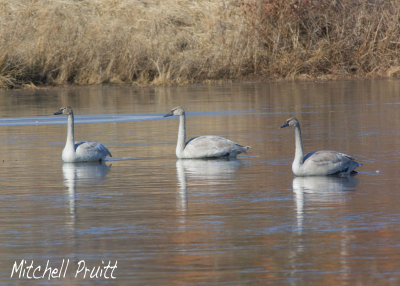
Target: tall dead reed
[[183, 41], [325, 38]]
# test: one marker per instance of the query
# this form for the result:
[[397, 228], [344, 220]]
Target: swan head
[[175, 111], [67, 110], [293, 122]]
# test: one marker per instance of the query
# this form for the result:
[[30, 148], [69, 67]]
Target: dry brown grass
[[183, 41], [326, 38]]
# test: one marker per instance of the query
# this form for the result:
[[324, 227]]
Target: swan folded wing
[[91, 150], [212, 147], [331, 161]]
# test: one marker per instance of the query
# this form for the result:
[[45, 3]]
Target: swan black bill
[[169, 114], [58, 112], [286, 124]]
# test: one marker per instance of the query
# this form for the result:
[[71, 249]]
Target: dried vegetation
[[183, 41]]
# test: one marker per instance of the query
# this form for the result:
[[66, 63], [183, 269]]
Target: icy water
[[146, 218]]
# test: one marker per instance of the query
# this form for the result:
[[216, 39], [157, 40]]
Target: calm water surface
[[168, 222]]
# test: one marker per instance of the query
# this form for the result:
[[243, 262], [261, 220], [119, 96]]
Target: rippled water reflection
[[182, 222]]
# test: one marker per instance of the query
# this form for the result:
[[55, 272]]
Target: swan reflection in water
[[203, 172], [311, 192], [320, 189], [82, 174]]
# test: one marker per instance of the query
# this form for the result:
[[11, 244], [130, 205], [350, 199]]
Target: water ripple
[[113, 118]]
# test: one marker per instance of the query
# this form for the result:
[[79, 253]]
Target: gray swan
[[319, 163], [85, 151], [203, 146]]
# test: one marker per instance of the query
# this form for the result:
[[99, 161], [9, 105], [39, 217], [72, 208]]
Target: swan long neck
[[180, 145], [70, 133], [299, 153]]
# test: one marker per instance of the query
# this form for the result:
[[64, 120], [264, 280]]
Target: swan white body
[[203, 146], [320, 163], [82, 151]]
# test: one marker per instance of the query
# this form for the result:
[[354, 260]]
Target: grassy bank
[[184, 41]]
